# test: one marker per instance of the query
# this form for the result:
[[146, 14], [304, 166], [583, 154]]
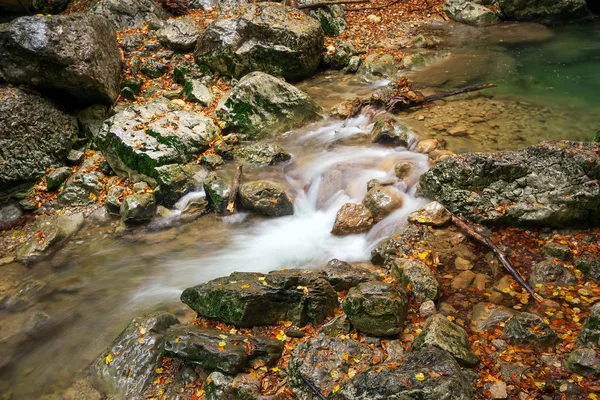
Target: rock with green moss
[[377, 67], [546, 11], [211, 160], [56, 178], [590, 333], [422, 59], [266, 37], [443, 380], [55, 230], [261, 105], [139, 138], [176, 180], [127, 367], [332, 18], [138, 208], [376, 308], [249, 299], [584, 362], [530, 330], [261, 154], [194, 90], [217, 186], [440, 332], [423, 284], [266, 198], [471, 12]]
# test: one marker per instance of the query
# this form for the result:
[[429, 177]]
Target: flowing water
[[99, 282]]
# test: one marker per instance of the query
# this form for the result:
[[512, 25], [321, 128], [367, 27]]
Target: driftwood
[[235, 186], [414, 99], [391, 3], [501, 256], [329, 3]]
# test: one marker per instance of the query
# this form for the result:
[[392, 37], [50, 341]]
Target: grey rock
[[81, 188], [138, 208], [471, 12], [584, 362], [549, 184], [487, 316], [343, 276], [75, 157], [125, 14], [277, 296], [376, 308], [352, 218], [73, 56], [113, 201], [175, 181], [31, 125], [424, 285], [551, 272], [91, 120], [590, 333], [589, 265], [264, 37], [557, 250], [382, 201], [463, 280], [211, 160], [261, 105], [354, 64], [154, 69], [546, 11], [194, 90], [266, 198], [10, 213], [219, 386], [427, 309], [56, 178], [179, 34], [261, 154], [529, 330]]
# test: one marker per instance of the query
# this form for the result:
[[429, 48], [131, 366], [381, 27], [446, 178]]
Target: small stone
[[499, 344], [140, 187], [462, 280], [463, 265], [498, 390], [137, 208], [404, 169], [433, 214], [446, 309], [557, 250], [458, 131], [154, 69], [75, 157], [57, 177], [480, 281], [428, 145], [195, 91], [486, 316], [423, 284], [352, 218], [390, 131], [344, 276], [421, 118], [427, 309], [373, 19], [353, 64], [529, 329]]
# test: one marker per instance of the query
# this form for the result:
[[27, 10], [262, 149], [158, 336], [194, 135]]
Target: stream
[[548, 89]]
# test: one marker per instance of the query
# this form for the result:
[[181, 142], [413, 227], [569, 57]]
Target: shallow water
[[99, 282]]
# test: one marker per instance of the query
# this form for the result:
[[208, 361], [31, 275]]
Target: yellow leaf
[[593, 396], [287, 323], [246, 286], [334, 374], [223, 336], [506, 290], [281, 336], [109, 358], [158, 370], [177, 340], [420, 376], [222, 344], [335, 389]]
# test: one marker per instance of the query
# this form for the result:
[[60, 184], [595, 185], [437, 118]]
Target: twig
[[391, 3], [313, 388], [329, 3], [501, 256], [402, 103], [235, 185]]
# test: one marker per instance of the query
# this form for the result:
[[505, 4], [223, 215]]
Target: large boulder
[[74, 57], [266, 198], [261, 105], [266, 37], [543, 10], [140, 138], [549, 184], [249, 299], [352, 218], [31, 125], [127, 367], [471, 12], [179, 35], [427, 374], [124, 14]]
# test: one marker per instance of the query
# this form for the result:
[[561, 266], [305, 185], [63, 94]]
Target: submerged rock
[[249, 299], [529, 329], [266, 198], [127, 367], [33, 126], [390, 131], [444, 380], [377, 66], [265, 37], [376, 308], [543, 10], [551, 272], [422, 281], [352, 218], [261, 105], [549, 184], [74, 56], [125, 14], [440, 332]]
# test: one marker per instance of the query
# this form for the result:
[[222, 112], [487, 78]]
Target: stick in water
[[235, 185]]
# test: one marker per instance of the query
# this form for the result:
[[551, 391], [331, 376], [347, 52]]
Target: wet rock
[[352, 218], [589, 265], [217, 186], [179, 35], [55, 230], [542, 185], [194, 208], [266, 37], [463, 280], [590, 333], [440, 332], [74, 57], [471, 12], [343, 276], [222, 387], [266, 198], [422, 41], [584, 362], [339, 56], [325, 361], [543, 11], [422, 60], [331, 18], [382, 201], [19, 328], [261, 105], [30, 125], [404, 169], [138, 208], [10, 213], [127, 367], [557, 250], [433, 214], [388, 382], [551, 272], [208, 348], [175, 181], [487, 316], [250, 299], [261, 154], [82, 187], [376, 67], [91, 120], [427, 146], [389, 249], [376, 308], [354, 64], [390, 131], [126, 14], [422, 281], [529, 330], [194, 90], [139, 138]]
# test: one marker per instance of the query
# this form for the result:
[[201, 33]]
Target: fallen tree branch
[[501, 256], [403, 102], [313, 388], [329, 3], [235, 186]]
